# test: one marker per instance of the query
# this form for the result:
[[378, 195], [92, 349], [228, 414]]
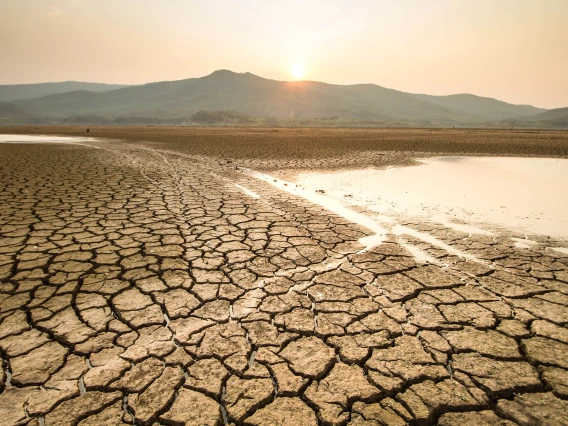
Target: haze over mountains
[[17, 92], [226, 96]]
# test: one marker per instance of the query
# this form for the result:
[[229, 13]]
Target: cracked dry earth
[[143, 287]]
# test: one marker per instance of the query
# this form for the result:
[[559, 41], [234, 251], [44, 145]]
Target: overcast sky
[[513, 50]]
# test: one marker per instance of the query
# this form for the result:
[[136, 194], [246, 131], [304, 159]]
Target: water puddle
[[472, 195], [460, 227], [24, 139], [520, 194], [375, 224]]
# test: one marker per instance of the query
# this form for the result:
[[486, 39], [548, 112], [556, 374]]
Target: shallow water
[[47, 139], [40, 138], [527, 195]]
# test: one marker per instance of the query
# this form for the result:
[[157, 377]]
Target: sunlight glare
[[297, 71]]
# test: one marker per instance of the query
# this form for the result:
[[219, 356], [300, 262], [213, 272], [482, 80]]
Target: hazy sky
[[514, 50]]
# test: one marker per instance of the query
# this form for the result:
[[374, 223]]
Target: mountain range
[[227, 95], [18, 92]]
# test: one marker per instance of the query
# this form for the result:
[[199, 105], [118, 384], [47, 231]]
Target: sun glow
[[297, 71]]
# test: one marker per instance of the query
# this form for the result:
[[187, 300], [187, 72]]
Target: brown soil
[[307, 144], [139, 284]]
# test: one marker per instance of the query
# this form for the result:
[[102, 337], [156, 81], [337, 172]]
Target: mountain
[[245, 95], [486, 108], [15, 92], [554, 117], [10, 113], [249, 94]]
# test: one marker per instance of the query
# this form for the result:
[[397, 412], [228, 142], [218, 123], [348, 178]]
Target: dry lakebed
[[173, 276]]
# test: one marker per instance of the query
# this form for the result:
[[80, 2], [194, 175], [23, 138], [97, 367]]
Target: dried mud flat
[[155, 284]]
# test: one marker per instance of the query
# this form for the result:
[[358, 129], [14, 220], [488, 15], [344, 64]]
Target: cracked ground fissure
[[144, 287]]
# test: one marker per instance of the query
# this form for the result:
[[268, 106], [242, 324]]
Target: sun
[[297, 71]]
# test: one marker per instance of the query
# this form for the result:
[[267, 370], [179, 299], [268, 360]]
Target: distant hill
[[552, 114], [248, 94], [486, 108], [11, 113], [243, 96], [9, 93], [557, 117]]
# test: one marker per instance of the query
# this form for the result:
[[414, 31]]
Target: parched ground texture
[[139, 285]]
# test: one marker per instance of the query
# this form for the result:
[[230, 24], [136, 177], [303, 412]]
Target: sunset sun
[[297, 71]]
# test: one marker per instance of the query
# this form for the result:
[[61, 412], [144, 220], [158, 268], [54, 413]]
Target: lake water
[[46, 139], [477, 195], [528, 195]]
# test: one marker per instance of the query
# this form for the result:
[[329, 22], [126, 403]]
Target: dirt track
[[139, 284]]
